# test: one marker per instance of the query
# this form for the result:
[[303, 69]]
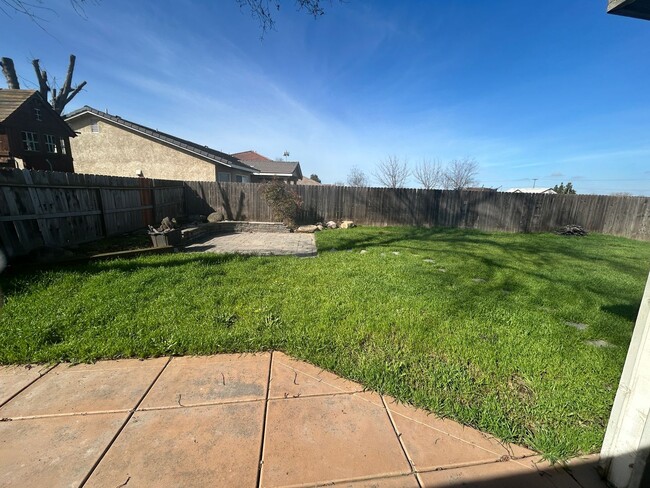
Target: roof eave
[[85, 110]]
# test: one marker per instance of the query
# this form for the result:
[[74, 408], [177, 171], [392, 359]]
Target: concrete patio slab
[[584, 469], [293, 378], [189, 381], [258, 243], [329, 438], [15, 378], [511, 474], [216, 445], [435, 443], [106, 386], [245, 420], [54, 451]]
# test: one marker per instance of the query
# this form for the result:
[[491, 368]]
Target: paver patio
[[241, 420], [259, 243]]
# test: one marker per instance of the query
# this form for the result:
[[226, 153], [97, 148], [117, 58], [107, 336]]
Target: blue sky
[[553, 90]]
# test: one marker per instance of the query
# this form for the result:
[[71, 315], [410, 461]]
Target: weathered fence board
[[40, 208]]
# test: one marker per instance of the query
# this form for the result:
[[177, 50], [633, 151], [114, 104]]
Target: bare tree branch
[[60, 98], [263, 10], [41, 76], [392, 173], [429, 174], [9, 71], [357, 177], [74, 92], [461, 173]]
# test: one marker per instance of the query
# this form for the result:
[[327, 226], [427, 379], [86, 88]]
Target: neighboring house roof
[[11, 100], [532, 190], [276, 168], [268, 167], [308, 182], [250, 156], [203, 151]]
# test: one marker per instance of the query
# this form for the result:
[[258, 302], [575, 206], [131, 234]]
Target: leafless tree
[[262, 10], [392, 172], [37, 10], [356, 177], [460, 173], [429, 174], [59, 98]]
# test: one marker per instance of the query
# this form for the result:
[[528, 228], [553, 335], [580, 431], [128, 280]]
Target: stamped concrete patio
[[258, 243], [241, 421]]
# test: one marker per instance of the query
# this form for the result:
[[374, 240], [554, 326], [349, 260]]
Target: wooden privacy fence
[[40, 208], [490, 211], [44, 208]]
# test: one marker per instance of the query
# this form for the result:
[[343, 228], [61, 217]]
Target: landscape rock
[[347, 224], [166, 224], [331, 225], [571, 230], [216, 217], [363, 251], [319, 226], [307, 229]]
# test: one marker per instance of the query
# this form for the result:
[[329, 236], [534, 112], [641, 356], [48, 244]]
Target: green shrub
[[284, 202]]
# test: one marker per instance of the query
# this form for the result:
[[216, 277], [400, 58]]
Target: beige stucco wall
[[117, 151]]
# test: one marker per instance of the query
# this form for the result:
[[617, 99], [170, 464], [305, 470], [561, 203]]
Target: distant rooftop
[[267, 167], [532, 190], [250, 156]]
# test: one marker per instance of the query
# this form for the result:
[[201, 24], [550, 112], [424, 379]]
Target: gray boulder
[[216, 217], [307, 229]]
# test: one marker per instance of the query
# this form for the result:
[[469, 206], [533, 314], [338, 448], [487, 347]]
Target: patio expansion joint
[[67, 414], [202, 404], [401, 442], [264, 419], [124, 424], [467, 464], [341, 481], [40, 375]]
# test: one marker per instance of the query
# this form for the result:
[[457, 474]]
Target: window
[[30, 141], [223, 177], [50, 144], [37, 113], [62, 146], [242, 179], [94, 127]]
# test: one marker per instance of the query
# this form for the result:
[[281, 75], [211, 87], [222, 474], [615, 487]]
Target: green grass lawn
[[469, 325]]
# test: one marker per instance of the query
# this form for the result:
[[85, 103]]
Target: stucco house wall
[[116, 151], [111, 145]]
